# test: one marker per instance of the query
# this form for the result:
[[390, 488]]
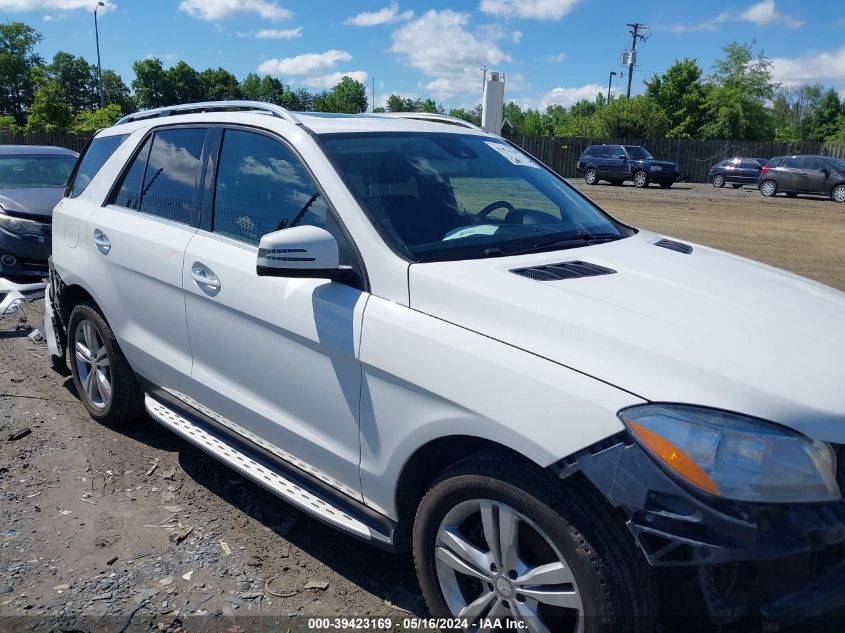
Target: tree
[[49, 111], [117, 92], [348, 96], [220, 85], [151, 84], [637, 117], [183, 84], [429, 105], [87, 121], [473, 116], [741, 85], [680, 93], [19, 68], [793, 110], [825, 119], [267, 88], [395, 103], [77, 79]]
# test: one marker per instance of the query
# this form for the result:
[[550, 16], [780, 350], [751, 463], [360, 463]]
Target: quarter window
[[162, 180], [98, 152], [262, 187]]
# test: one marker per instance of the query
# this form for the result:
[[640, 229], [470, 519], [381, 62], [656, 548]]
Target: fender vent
[[672, 245], [563, 270]]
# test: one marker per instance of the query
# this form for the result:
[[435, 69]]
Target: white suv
[[419, 334]]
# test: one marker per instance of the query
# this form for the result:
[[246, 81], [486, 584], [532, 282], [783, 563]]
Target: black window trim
[[205, 221]]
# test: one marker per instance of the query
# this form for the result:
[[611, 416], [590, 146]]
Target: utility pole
[[99, 68], [636, 27], [373, 95]]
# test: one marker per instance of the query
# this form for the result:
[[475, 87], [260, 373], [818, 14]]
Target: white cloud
[[813, 67], [528, 9], [560, 57], [272, 34], [54, 5], [387, 15], [439, 44], [330, 80], [219, 9], [567, 96], [764, 13], [304, 64]]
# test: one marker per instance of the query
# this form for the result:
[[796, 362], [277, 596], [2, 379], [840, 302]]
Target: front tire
[[494, 539], [591, 176], [768, 188], [104, 380], [837, 194], [718, 181], [640, 179]]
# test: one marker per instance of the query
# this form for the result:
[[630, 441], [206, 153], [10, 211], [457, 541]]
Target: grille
[[672, 245], [563, 270]]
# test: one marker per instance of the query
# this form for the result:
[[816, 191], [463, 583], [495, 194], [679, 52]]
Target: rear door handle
[[101, 241], [205, 278]]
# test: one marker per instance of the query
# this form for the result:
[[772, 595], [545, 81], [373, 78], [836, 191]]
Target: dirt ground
[[105, 528]]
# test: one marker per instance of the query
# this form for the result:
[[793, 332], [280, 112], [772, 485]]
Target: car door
[[789, 173], [814, 176], [749, 170], [275, 359], [139, 239]]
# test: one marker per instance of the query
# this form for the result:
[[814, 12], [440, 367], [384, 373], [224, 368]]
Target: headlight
[[22, 226], [735, 456]]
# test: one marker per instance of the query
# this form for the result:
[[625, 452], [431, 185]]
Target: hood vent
[[563, 270], [672, 245]]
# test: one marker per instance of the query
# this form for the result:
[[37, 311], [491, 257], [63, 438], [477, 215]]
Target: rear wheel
[[498, 540], [641, 179], [106, 384], [591, 176], [718, 180], [838, 193], [768, 188]]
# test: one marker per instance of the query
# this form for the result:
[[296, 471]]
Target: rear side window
[[793, 163], [592, 151], [775, 162], [98, 152], [749, 164], [162, 180], [262, 187]]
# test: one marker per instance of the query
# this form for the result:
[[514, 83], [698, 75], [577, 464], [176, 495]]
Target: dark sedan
[[793, 175], [736, 172], [32, 179]]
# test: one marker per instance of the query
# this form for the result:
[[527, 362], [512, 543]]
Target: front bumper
[[24, 255], [675, 527]]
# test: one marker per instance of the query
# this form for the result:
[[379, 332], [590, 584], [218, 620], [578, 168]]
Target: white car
[[416, 332]]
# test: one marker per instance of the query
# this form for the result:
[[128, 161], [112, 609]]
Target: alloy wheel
[[838, 193], [640, 179], [768, 188], [92, 365], [494, 563], [590, 176], [718, 180]]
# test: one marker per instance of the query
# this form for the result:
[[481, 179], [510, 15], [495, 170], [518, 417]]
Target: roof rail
[[430, 116], [205, 106]]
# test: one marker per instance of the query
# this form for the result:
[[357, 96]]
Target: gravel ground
[[104, 528]]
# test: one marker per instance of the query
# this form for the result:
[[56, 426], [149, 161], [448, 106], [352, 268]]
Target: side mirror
[[300, 251], [623, 157]]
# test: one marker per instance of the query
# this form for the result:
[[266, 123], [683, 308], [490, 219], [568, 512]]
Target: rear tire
[[599, 570], [837, 194], [105, 382], [718, 181], [640, 179], [768, 188], [591, 176]]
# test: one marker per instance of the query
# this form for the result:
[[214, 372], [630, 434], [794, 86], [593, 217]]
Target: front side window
[[635, 152], [33, 171], [98, 152], [813, 164], [262, 187], [443, 196], [793, 163], [162, 179]]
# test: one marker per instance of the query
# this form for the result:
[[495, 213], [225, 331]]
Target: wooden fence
[[694, 158], [561, 154]]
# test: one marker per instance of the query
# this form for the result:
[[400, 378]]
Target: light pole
[[99, 67], [609, 83]]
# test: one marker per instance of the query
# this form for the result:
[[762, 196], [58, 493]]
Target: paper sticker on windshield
[[468, 231], [512, 154]]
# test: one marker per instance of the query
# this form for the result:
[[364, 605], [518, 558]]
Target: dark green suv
[[819, 175]]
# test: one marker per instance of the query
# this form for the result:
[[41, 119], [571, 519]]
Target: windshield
[[635, 152], [35, 172], [444, 196]]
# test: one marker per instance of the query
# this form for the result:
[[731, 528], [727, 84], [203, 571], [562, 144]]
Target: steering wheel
[[499, 204]]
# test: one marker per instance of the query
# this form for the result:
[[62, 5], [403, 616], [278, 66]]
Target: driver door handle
[[205, 278], [101, 241]]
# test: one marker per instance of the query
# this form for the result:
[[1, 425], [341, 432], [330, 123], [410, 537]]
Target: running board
[[279, 484]]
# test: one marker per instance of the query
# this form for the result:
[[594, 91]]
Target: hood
[[38, 202], [705, 328]]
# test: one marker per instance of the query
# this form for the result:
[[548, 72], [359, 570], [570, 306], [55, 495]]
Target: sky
[[550, 51]]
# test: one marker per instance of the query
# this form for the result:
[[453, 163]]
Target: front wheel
[[641, 179], [494, 540], [591, 176], [718, 180], [104, 381], [838, 194], [768, 188]]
